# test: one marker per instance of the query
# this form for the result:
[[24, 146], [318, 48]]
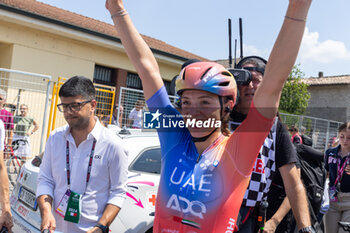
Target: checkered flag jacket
[[263, 172]]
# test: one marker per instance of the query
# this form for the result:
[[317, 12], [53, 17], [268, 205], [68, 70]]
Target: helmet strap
[[221, 106], [222, 111], [202, 139]]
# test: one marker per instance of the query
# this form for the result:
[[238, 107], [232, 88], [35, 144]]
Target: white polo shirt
[[107, 184], [136, 116]]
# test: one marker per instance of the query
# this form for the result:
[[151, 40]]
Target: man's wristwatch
[[104, 229], [308, 229]]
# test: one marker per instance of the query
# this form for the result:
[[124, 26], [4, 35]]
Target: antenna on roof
[[241, 36], [229, 43], [235, 53]]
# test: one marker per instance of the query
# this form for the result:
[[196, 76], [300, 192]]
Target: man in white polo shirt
[[82, 179]]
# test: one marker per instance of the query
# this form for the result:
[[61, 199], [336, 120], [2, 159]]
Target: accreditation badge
[[333, 194], [73, 211], [62, 205]]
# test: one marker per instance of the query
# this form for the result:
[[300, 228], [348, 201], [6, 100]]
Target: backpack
[[306, 140], [313, 175]]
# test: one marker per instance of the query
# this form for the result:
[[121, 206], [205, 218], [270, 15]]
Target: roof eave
[[328, 84], [81, 29]]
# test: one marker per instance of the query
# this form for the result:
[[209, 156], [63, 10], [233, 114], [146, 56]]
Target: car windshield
[[148, 161]]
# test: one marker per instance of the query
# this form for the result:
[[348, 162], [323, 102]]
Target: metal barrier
[[32, 90], [105, 96], [321, 131], [127, 100]]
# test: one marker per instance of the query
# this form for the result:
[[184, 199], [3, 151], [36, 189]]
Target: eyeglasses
[[73, 107]]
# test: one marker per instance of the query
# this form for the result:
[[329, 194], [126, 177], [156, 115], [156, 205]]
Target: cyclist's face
[[78, 119], [200, 105], [344, 139], [246, 93]]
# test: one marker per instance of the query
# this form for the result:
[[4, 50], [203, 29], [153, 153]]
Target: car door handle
[[151, 214]]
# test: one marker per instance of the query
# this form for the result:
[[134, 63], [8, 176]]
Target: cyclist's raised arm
[[136, 48], [282, 58]]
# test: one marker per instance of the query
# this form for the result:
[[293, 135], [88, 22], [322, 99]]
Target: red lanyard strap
[[340, 171], [89, 166]]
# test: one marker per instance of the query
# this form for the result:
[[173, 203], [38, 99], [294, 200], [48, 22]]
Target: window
[[104, 75], [148, 161], [133, 81], [167, 87]]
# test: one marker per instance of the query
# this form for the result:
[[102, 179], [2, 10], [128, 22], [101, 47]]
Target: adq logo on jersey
[[182, 204], [158, 120]]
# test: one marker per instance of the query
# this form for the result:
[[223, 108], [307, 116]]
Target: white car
[[138, 209]]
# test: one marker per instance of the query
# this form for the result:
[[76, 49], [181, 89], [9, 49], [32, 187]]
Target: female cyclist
[[205, 174]]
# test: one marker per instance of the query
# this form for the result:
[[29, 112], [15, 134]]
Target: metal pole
[[229, 44], [314, 132], [44, 117], [119, 104], [300, 121], [241, 36], [327, 136], [26, 73], [18, 100]]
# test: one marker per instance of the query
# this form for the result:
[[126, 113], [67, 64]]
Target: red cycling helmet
[[207, 76]]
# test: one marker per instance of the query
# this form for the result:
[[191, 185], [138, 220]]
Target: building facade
[[39, 38], [330, 97]]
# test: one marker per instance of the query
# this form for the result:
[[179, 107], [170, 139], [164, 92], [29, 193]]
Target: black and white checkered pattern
[[260, 182]]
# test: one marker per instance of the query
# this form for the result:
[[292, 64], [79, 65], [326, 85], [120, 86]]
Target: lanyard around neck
[[89, 166], [340, 170]]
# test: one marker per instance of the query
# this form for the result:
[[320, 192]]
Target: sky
[[200, 27]]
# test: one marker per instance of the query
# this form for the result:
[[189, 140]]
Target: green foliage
[[295, 96]]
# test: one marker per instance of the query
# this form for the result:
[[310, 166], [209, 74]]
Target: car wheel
[[150, 230]]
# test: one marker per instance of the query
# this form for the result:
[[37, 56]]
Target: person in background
[[7, 118], [337, 160], [296, 138], [135, 115], [313, 175], [100, 116], [276, 161], [23, 124], [306, 139], [333, 141], [5, 216], [115, 120]]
